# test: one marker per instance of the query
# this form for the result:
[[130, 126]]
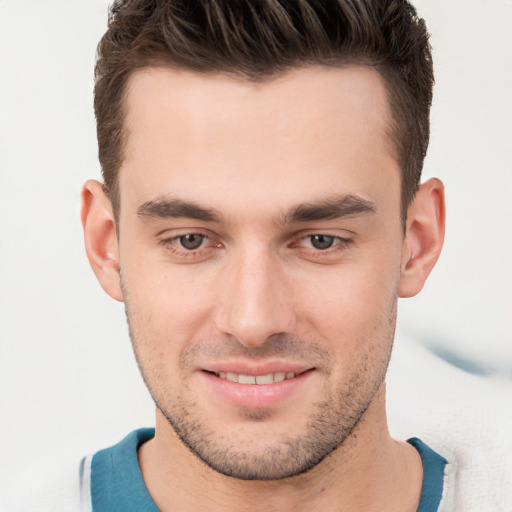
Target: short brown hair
[[259, 39]]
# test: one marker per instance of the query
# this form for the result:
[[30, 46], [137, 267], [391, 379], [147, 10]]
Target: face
[[260, 245]]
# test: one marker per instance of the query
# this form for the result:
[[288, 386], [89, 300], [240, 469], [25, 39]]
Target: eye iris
[[192, 241], [322, 241]]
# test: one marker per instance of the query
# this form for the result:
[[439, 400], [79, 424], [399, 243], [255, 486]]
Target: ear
[[424, 237], [100, 237]]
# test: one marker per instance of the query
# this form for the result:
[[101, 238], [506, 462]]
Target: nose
[[255, 300]]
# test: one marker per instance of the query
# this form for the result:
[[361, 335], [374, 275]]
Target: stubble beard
[[331, 422], [327, 430]]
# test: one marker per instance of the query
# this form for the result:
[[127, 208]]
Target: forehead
[[207, 136]]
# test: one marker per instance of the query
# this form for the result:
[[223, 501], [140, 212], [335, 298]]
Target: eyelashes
[[322, 242], [200, 245], [189, 245]]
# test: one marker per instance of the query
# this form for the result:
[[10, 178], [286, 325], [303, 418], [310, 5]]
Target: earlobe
[[423, 237], [100, 237]]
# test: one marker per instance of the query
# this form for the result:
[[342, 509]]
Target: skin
[[271, 166]]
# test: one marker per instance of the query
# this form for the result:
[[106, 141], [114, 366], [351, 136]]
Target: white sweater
[[465, 418]]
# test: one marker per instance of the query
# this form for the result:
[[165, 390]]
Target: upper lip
[[256, 368]]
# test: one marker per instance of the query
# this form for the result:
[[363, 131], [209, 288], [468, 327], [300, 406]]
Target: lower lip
[[256, 396]]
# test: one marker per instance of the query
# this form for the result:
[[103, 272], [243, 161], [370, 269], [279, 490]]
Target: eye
[[191, 241], [191, 246], [322, 241], [322, 246]]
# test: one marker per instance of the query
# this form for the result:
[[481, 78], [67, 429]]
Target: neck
[[370, 471]]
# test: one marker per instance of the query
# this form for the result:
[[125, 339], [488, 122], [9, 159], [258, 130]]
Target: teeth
[[265, 379], [246, 379], [258, 379]]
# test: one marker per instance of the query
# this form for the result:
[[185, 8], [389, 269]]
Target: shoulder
[[56, 489], [109, 478], [463, 417]]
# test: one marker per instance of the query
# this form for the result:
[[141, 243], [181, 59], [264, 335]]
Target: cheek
[[167, 304], [349, 302]]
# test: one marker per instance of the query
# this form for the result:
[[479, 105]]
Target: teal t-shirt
[[117, 484]]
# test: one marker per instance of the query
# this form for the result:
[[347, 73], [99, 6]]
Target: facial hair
[[331, 420]]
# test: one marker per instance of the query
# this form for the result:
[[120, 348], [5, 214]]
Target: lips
[[257, 386]]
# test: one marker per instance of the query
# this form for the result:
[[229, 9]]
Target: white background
[[68, 381]]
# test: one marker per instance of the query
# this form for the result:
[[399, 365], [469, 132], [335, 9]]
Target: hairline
[[342, 62]]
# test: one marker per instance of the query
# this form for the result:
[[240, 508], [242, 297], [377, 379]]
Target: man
[[260, 216]]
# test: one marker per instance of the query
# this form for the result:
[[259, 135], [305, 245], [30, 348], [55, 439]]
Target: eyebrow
[[176, 208], [326, 209], [329, 209]]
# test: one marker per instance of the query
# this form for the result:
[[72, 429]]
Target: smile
[[269, 378], [258, 388]]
